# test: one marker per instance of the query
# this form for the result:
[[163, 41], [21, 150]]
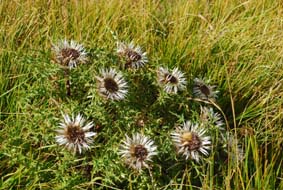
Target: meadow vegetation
[[236, 44]]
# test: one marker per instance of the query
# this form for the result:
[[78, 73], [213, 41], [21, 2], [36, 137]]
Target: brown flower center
[[75, 134], [111, 85], [133, 56], [191, 140], [140, 152], [70, 53], [170, 78], [204, 89]]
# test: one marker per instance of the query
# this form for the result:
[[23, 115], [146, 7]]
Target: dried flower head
[[211, 118], [204, 91], [137, 151], [74, 134], [134, 56], [190, 140], [171, 81], [111, 84], [69, 54]]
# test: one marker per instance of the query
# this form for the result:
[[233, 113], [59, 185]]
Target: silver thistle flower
[[69, 54], [210, 118], [232, 147], [111, 84], [204, 91], [74, 134], [190, 140], [171, 81], [135, 57], [137, 151]]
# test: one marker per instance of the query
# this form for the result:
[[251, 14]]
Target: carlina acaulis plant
[[68, 55], [138, 151], [134, 57], [74, 133]]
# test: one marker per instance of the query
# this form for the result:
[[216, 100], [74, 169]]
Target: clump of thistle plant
[[191, 140]]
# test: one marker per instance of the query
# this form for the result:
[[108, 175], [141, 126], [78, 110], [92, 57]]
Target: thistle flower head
[[203, 90], [137, 151], [69, 54], [232, 147], [210, 118], [171, 81], [74, 133], [134, 56], [111, 84], [190, 140]]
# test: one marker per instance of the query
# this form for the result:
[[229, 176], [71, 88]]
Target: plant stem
[[68, 83]]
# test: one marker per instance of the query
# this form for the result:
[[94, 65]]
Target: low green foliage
[[237, 45]]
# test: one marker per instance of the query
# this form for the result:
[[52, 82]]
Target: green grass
[[236, 44]]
